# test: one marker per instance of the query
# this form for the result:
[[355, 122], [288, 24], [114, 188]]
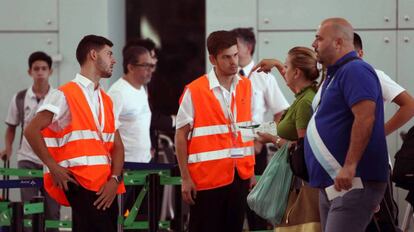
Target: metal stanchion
[[153, 198], [121, 211], [5, 191], [17, 222], [38, 219], [177, 223]]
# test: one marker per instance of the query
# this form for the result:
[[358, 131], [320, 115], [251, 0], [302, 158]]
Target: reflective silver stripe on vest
[[82, 161], [210, 130], [78, 135], [215, 155], [216, 129]]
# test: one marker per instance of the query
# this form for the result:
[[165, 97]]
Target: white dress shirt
[[267, 96], [390, 89], [57, 104], [185, 113]]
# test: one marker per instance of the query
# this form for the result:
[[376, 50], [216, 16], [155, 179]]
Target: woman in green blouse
[[300, 73]]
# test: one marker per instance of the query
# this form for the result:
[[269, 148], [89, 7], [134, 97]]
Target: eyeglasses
[[146, 66]]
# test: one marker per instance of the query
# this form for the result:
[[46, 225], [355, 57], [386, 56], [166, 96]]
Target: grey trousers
[[52, 208], [353, 211]]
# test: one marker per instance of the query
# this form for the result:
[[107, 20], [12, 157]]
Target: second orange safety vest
[[212, 138], [80, 146]]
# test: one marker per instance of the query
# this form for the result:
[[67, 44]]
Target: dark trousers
[[85, 216], [254, 221], [221, 209]]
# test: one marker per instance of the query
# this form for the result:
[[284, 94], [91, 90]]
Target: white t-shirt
[[185, 113], [267, 96], [390, 89], [132, 110], [30, 105]]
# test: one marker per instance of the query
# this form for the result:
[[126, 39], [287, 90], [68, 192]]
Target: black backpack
[[403, 172]]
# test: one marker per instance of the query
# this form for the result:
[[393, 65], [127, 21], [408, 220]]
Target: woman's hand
[[266, 138], [266, 66]]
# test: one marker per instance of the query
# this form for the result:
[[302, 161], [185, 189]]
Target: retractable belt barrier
[[136, 174], [150, 175]]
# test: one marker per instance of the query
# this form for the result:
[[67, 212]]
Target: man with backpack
[[22, 109]]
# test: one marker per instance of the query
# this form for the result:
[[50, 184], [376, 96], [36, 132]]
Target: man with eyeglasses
[[132, 110], [159, 120], [22, 109]]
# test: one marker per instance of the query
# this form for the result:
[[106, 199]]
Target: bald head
[[341, 28], [333, 40]]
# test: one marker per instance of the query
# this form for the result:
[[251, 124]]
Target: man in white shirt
[[159, 121], [267, 99], [215, 164], [80, 110], [131, 104], [391, 92], [132, 110], [22, 109]]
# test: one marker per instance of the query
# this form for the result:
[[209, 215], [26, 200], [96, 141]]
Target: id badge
[[236, 152]]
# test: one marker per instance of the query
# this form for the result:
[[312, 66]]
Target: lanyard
[[231, 116], [99, 124]]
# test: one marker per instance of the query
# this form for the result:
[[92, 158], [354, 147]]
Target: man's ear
[[93, 54], [129, 67], [338, 42], [250, 48], [361, 53], [212, 59]]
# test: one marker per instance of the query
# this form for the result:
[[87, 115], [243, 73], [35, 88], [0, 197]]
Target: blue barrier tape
[[147, 166], [21, 183]]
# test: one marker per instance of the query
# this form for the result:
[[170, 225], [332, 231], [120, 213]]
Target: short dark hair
[[88, 43], [220, 40], [131, 55], [36, 56], [146, 43], [357, 42], [247, 35]]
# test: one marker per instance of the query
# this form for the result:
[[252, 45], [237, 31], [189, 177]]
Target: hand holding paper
[[250, 132]]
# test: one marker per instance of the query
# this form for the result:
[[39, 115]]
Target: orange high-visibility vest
[[209, 160], [80, 146]]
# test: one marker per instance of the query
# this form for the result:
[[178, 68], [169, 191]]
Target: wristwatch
[[119, 178]]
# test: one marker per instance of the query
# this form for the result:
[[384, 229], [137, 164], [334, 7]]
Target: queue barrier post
[[38, 219], [17, 222]]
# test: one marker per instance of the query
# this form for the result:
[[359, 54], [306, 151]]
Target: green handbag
[[269, 197]]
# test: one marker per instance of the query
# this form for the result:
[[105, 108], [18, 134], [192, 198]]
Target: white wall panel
[[276, 45], [303, 14], [28, 15], [405, 14], [14, 54]]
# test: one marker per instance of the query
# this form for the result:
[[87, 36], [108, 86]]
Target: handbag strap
[[318, 96]]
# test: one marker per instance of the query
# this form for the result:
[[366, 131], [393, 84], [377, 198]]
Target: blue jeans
[[353, 211]]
